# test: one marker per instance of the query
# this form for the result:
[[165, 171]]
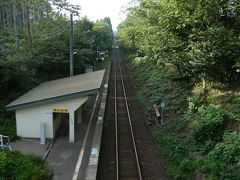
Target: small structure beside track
[[53, 103]]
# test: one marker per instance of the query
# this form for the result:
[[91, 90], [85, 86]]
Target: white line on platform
[[80, 157]]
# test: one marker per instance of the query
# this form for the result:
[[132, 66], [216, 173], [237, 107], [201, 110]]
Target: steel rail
[[129, 116], [116, 116]]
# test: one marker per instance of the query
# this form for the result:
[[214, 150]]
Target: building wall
[[28, 120]]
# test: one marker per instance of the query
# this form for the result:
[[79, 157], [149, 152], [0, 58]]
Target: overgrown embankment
[[203, 139], [188, 56]]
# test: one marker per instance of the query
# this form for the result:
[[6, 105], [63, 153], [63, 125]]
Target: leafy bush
[[8, 128], [14, 165], [173, 146], [175, 151], [194, 102], [207, 146], [223, 162], [209, 124], [235, 111]]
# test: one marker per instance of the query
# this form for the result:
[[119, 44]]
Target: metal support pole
[[71, 46], [97, 59]]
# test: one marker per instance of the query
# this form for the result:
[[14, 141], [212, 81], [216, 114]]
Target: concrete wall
[[28, 120]]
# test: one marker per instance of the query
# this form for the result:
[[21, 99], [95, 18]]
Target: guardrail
[[4, 142]]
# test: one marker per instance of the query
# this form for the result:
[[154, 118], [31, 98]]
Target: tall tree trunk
[[15, 24], [24, 24], [29, 26]]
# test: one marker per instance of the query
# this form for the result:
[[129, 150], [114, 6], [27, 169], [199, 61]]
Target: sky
[[98, 9]]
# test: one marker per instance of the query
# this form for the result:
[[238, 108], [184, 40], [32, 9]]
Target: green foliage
[[207, 146], [175, 147], [8, 128], [35, 48], [106, 62], [14, 165], [158, 85], [199, 39], [209, 124], [223, 162], [39, 49], [193, 142], [175, 150], [103, 34], [153, 85], [235, 111], [194, 102]]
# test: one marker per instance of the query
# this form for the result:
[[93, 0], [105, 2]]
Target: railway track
[[127, 161], [128, 153]]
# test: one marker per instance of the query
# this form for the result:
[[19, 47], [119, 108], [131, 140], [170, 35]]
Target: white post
[[42, 133], [71, 127]]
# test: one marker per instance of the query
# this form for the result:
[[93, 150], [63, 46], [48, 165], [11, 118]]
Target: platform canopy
[[60, 89]]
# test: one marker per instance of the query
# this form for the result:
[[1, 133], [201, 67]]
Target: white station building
[[48, 102]]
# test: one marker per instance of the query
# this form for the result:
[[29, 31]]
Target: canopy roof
[[60, 89]]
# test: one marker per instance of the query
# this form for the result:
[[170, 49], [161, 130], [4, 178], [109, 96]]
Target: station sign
[[57, 110]]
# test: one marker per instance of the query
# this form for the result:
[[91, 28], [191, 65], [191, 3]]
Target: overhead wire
[[54, 34]]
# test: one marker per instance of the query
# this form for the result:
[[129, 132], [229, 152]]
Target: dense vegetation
[[34, 47], [15, 165], [193, 36], [186, 53]]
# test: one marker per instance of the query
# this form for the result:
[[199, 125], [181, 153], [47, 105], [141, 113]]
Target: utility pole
[[15, 25], [97, 59], [71, 46]]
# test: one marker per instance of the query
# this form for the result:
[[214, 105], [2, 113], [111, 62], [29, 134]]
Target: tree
[[43, 43], [103, 34], [194, 36]]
